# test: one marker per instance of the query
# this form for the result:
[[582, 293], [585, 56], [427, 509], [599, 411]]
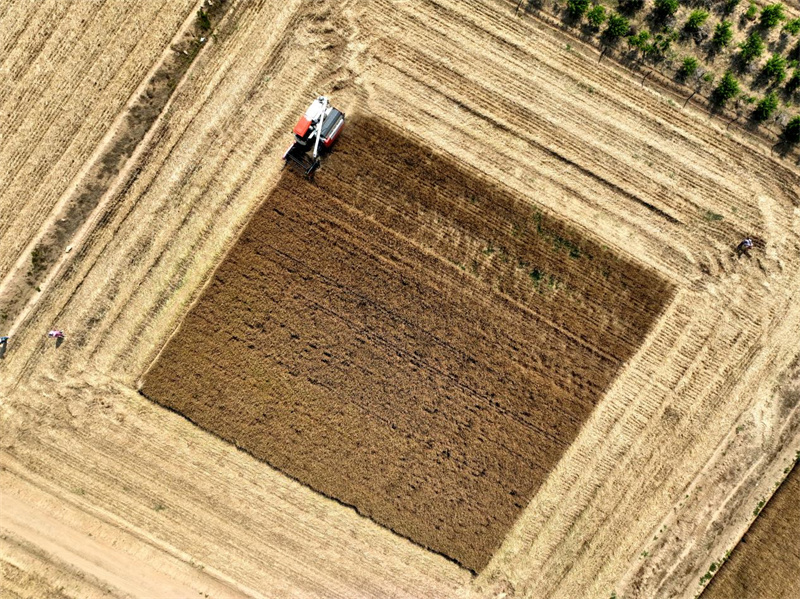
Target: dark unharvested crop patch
[[407, 339]]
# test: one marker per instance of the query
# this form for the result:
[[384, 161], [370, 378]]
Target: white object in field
[[321, 119]]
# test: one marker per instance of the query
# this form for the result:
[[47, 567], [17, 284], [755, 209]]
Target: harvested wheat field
[[343, 341], [639, 415], [67, 70]]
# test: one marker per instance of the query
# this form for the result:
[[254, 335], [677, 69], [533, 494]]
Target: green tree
[[792, 27], [596, 16], [577, 8], [640, 41], [766, 107], [752, 47], [752, 11], [775, 69], [688, 67], [791, 133], [728, 88], [723, 34], [696, 20], [618, 26], [771, 15]]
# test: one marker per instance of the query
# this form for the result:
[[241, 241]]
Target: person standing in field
[[744, 247]]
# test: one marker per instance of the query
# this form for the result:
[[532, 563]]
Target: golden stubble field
[[662, 478]]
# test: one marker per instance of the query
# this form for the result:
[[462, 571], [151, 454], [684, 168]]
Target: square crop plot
[[407, 339]]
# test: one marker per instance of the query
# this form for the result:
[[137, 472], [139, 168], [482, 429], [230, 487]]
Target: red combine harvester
[[320, 125]]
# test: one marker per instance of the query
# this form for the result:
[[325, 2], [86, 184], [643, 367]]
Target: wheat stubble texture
[[407, 339]]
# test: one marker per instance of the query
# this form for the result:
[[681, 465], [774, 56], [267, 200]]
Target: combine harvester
[[321, 124]]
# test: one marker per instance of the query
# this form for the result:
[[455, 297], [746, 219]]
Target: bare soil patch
[[407, 339]]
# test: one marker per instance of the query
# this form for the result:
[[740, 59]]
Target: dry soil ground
[[658, 457]]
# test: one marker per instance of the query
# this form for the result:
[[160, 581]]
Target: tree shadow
[[629, 8]]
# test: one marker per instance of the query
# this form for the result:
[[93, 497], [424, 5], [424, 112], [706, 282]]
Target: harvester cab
[[317, 129]]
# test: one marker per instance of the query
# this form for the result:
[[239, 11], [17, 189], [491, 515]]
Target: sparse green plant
[[618, 26], [723, 33], [792, 27], [536, 275], [771, 15], [766, 107], [640, 41], [708, 575], [791, 133], [752, 11], [774, 69], [696, 19], [712, 216], [751, 48], [728, 88], [688, 67], [759, 507], [38, 260], [203, 21], [596, 16], [577, 8]]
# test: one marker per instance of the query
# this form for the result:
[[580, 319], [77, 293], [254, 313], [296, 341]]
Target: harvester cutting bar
[[297, 155]]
